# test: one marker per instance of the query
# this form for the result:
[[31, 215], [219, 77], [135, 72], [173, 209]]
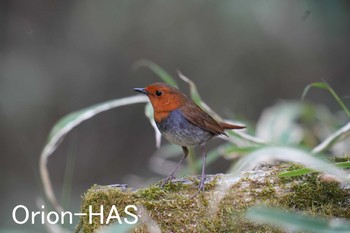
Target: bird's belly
[[187, 138], [178, 130]]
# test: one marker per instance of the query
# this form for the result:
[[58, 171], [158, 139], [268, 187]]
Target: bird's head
[[163, 97]]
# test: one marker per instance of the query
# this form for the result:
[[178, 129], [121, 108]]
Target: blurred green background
[[60, 56]]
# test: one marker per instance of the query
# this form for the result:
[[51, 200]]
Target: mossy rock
[[174, 208]]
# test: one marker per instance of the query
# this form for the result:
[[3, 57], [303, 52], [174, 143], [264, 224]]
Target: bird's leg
[[171, 176], [203, 178]]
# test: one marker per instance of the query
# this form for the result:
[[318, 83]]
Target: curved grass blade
[[165, 76], [326, 86], [197, 98], [65, 125], [296, 222], [340, 134]]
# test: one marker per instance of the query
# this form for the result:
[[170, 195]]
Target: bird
[[182, 122]]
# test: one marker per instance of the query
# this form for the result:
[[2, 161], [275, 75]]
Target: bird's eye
[[159, 93]]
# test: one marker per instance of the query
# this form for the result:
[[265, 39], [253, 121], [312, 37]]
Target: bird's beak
[[141, 90]]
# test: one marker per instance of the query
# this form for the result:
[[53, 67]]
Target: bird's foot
[[167, 180], [201, 187]]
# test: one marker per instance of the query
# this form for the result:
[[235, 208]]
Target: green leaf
[[297, 172], [296, 222], [165, 76], [303, 171], [193, 88], [326, 86], [321, 85]]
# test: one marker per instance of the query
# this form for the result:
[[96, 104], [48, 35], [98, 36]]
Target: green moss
[[311, 195], [105, 196], [176, 210], [151, 193], [342, 159]]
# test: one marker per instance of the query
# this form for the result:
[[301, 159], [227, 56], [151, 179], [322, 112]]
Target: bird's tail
[[230, 126]]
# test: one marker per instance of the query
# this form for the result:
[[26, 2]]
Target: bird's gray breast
[[178, 130]]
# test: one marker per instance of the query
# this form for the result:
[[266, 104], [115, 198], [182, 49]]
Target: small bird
[[183, 122]]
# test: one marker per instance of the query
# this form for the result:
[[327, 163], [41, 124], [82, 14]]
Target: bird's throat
[[160, 115]]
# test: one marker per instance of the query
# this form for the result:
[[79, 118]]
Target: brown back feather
[[197, 116], [194, 114]]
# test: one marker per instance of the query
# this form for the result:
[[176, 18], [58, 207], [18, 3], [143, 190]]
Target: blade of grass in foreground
[[296, 222], [289, 154], [303, 171], [65, 125], [326, 86]]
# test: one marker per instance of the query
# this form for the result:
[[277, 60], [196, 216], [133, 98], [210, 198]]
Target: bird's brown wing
[[194, 114]]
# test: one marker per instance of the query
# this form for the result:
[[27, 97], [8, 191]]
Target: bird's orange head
[[164, 99]]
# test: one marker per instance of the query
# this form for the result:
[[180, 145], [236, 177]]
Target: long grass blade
[[65, 125], [69, 172], [198, 100], [196, 97], [326, 86]]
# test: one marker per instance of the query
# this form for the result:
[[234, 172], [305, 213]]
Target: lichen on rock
[[174, 208]]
